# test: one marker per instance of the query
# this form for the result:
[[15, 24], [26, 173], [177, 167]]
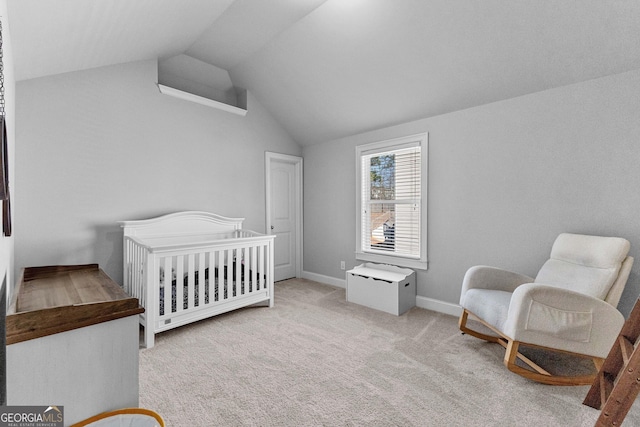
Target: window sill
[[393, 260]]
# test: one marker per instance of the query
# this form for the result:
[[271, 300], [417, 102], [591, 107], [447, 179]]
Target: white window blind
[[391, 198]]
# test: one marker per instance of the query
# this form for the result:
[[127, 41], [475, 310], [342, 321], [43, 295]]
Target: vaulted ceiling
[[331, 68]]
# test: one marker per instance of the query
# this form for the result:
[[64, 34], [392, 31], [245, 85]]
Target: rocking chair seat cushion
[[490, 305]]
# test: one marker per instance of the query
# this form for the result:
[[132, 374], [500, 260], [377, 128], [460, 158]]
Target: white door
[[284, 217]]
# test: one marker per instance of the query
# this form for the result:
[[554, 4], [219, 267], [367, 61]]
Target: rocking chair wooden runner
[[570, 307]]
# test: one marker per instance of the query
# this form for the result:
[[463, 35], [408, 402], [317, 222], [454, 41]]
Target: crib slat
[[142, 275], [261, 268], [131, 265], [179, 286], [149, 292], [231, 277], [246, 271], [127, 266], [166, 283], [222, 285], [138, 272], [134, 271], [191, 268], [254, 268], [248, 287], [201, 280], [239, 272], [212, 278]]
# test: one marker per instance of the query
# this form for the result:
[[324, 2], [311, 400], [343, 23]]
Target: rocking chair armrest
[[485, 277], [559, 318]]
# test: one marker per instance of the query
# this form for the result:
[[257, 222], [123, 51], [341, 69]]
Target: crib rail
[[207, 277], [178, 283]]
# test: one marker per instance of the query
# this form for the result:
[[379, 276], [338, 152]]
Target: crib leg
[[148, 337], [265, 303]]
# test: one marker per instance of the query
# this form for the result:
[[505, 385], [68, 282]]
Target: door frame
[[298, 203]]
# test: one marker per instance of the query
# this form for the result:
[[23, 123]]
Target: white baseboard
[[439, 306], [340, 283], [422, 302]]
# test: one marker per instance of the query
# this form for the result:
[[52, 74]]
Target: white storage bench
[[382, 287]]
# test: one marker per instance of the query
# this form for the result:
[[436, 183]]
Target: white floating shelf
[[166, 90]]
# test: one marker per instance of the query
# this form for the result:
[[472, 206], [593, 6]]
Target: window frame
[[421, 139]]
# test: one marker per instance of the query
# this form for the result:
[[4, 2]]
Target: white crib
[[166, 257]]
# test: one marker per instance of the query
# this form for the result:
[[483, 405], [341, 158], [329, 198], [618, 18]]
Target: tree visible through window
[[382, 217]]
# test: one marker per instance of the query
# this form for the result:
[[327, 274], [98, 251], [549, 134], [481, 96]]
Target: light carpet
[[316, 360]]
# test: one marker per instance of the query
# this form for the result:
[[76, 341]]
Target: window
[[391, 222]]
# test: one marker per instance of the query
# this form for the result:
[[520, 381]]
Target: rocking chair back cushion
[[586, 264]]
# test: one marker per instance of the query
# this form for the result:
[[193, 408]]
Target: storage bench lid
[[390, 273]]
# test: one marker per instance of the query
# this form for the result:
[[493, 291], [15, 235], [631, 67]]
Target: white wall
[[504, 180], [103, 145]]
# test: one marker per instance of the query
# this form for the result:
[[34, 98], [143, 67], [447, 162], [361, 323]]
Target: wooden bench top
[[55, 299]]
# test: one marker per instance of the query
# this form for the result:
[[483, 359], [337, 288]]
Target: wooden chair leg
[[462, 324], [511, 353]]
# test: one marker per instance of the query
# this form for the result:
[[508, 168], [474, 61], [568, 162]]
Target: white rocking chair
[[569, 307]]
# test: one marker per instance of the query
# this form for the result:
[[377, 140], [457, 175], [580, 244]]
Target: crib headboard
[[180, 224]]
